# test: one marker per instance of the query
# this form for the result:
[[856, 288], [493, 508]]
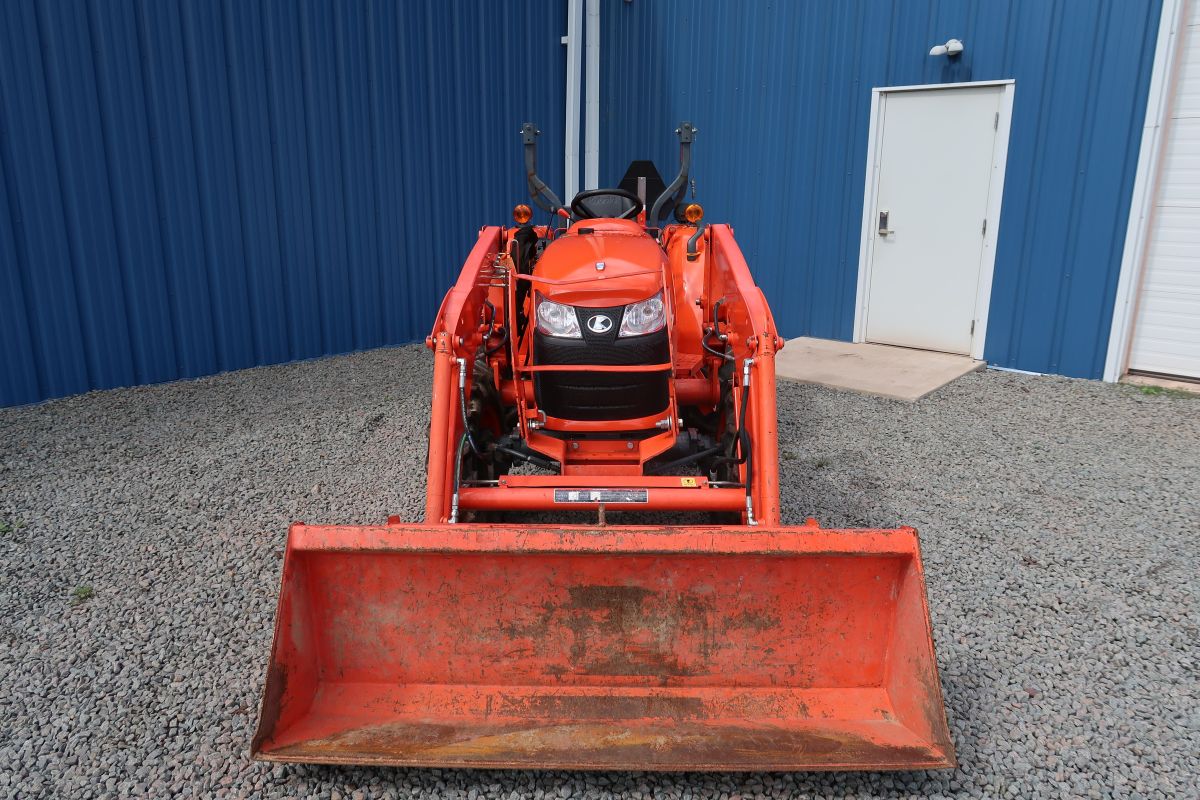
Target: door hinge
[[972, 327], [983, 228], [996, 122]]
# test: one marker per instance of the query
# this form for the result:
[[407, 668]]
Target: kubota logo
[[600, 324]]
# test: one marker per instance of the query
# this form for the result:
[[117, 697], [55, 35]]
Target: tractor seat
[[604, 206]]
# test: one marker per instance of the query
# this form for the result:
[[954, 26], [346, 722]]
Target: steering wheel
[[581, 209]]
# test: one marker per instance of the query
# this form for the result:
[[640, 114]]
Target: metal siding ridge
[[1026, 147], [123, 125], [36, 211], [94, 258], [292, 187], [219, 196], [19, 381], [172, 153], [249, 116]]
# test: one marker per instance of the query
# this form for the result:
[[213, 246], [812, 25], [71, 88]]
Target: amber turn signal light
[[693, 213], [522, 214]]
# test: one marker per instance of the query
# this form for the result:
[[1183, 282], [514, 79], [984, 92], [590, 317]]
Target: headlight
[[555, 319], [645, 317]]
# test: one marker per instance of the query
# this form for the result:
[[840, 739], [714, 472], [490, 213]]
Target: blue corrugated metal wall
[[781, 95], [190, 187], [199, 186]]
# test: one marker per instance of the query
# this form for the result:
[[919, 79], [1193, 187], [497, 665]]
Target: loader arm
[[456, 336], [753, 337]]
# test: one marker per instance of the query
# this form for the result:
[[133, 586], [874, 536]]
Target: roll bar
[[686, 133], [547, 200], [542, 195]]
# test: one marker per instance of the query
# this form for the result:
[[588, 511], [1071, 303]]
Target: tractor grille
[[593, 396]]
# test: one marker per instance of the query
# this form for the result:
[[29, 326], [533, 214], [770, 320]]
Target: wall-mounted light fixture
[[952, 48]]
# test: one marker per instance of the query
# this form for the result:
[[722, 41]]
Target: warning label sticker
[[601, 496]]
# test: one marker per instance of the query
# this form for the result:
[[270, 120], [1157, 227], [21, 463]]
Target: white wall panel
[[1166, 336]]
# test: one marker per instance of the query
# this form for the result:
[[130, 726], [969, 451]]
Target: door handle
[[884, 230]]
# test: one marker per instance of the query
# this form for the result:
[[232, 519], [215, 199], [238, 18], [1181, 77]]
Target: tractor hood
[[601, 263]]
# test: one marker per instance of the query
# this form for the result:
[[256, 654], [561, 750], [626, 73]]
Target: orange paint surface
[[605, 647], [414, 644]]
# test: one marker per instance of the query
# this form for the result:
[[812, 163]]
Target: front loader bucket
[[603, 648]]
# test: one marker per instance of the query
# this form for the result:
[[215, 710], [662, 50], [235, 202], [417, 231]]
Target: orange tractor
[[603, 364]]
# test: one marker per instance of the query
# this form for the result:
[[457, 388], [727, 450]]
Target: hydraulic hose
[[462, 404], [716, 332], [716, 353], [741, 442], [491, 351], [457, 477], [692, 255], [490, 332], [664, 469], [543, 463]]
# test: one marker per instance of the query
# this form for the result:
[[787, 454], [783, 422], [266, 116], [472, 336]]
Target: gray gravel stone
[[1059, 533]]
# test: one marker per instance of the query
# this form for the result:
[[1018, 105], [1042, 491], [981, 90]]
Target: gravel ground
[[143, 529]]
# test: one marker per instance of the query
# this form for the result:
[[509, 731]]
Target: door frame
[[987, 264]]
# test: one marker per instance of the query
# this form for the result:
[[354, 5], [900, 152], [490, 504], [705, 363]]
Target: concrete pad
[[896, 372]]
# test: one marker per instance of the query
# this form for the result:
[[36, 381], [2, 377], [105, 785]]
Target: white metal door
[[1166, 332], [936, 160]]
